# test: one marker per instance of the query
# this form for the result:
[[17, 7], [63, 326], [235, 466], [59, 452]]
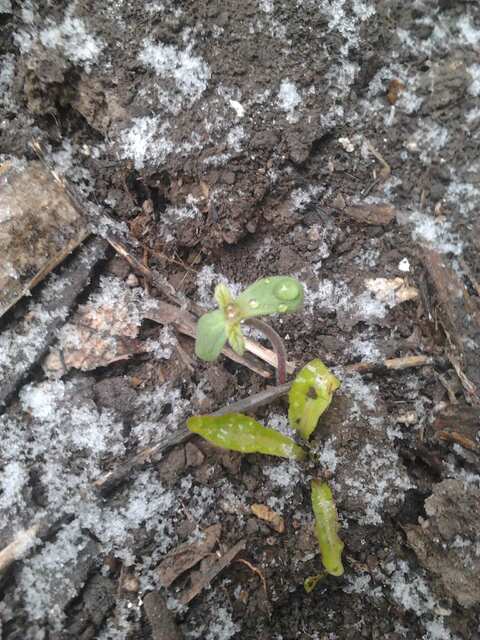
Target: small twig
[[211, 573], [185, 323], [255, 570], [107, 482], [19, 547], [27, 539], [406, 362], [277, 344]]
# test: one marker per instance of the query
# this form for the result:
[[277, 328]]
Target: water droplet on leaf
[[253, 304], [282, 308], [288, 290]]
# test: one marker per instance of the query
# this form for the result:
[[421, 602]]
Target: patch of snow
[[145, 140], [238, 108], [289, 99], [285, 476], [71, 36], [301, 198], [190, 73], [337, 296], [435, 232], [328, 455], [266, 5], [412, 593], [474, 71], [7, 74], [470, 35], [429, 139], [365, 349], [207, 279], [376, 478], [235, 137]]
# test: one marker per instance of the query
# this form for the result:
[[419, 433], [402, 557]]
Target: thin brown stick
[[110, 480], [254, 570], [206, 578], [407, 362]]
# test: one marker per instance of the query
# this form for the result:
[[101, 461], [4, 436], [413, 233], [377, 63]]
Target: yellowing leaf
[[237, 432], [311, 582], [326, 528], [309, 396]]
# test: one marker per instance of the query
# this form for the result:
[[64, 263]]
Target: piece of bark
[[100, 332], [460, 317], [371, 213], [459, 424], [201, 580], [392, 291], [446, 544], [40, 227], [25, 343], [187, 555], [160, 618]]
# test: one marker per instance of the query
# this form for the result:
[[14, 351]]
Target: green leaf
[[237, 432], [236, 339], [276, 294], [211, 335], [310, 395], [326, 528]]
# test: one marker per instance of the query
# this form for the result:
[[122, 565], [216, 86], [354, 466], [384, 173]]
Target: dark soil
[[362, 167]]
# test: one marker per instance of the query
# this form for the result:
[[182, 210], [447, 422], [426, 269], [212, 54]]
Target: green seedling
[[276, 294], [237, 432], [326, 528], [310, 395]]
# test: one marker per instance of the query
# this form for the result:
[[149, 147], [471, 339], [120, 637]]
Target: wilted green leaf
[[211, 335], [237, 432], [309, 396], [326, 528], [276, 294]]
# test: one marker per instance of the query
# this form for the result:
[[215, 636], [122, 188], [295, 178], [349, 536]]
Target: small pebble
[[132, 281]]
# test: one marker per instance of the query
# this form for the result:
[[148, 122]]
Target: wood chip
[[187, 555], [460, 318], [459, 423], [40, 227], [371, 213], [98, 334], [203, 580], [392, 291], [273, 519], [27, 341]]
